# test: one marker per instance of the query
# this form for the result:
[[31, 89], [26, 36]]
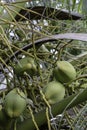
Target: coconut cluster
[[64, 72]]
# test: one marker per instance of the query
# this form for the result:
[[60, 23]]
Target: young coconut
[[27, 65], [15, 103], [64, 72], [54, 92]]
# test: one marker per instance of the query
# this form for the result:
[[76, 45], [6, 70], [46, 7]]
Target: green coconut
[[54, 92], [15, 103], [27, 65], [64, 72]]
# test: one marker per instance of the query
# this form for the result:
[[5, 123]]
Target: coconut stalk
[[58, 108]]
